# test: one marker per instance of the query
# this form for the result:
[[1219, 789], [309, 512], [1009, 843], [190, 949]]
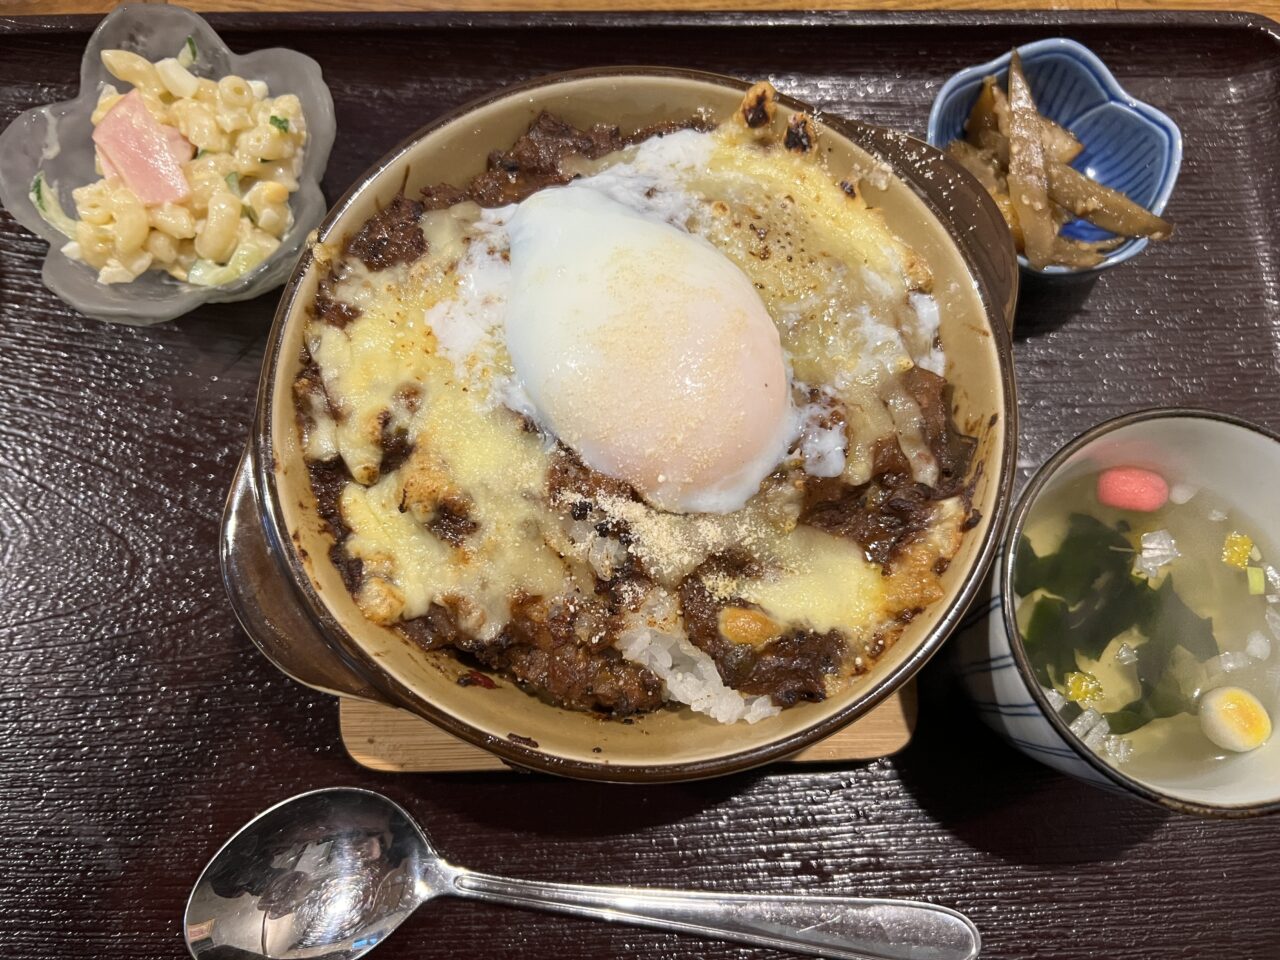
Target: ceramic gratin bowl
[[57, 139], [275, 549], [1193, 448], [1129, 145]]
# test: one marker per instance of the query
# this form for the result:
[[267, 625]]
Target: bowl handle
[[267, 604]]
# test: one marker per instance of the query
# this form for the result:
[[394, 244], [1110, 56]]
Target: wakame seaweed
[[1090, 598]]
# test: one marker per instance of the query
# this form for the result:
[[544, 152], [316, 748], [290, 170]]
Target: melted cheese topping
[[387, 366], [835, 279], [502, 471], [814, 579], [426, 358]]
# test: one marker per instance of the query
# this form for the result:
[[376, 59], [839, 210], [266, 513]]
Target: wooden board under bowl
[[395, 741]]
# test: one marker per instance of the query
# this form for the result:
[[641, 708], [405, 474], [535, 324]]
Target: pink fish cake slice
[[1132, 488]]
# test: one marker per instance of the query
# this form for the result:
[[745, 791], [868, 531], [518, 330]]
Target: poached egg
[[646, 350]]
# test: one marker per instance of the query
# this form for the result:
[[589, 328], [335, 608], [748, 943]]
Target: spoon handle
[[849, 928]]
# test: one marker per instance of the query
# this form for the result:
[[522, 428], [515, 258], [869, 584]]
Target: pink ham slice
[[108, 171], [179, 148], [146, 155]]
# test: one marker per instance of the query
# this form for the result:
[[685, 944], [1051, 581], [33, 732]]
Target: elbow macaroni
[[248, 157]]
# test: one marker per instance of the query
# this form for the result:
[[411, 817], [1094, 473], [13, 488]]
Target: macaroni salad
[[196, 174]]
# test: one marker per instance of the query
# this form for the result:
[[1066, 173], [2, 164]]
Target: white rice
[[688, 675], [821, 448]]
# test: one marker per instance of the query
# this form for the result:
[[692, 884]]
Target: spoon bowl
[[323, 871], [333, 872]]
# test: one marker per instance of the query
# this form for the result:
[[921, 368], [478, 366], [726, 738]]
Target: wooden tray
[[393, 741], [140, 728]]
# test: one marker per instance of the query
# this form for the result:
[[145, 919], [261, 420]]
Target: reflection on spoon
[[331, 873]]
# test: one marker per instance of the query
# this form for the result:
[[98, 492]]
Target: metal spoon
[[331, 873]]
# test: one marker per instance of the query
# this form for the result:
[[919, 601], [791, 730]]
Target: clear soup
[[1132, 618]]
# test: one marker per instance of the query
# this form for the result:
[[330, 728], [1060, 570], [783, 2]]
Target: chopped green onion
[[280, 123], [188, 54], [233, 181], [1257, 581]]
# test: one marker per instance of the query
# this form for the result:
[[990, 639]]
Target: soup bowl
[[1194, 450], [275, 550]]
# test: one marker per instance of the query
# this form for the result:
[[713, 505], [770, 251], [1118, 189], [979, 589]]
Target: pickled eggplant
[[981, 163], [990, 112], [1060, 144], [1109, 209], [1069, 189], [1023, 158], [1028, 179]]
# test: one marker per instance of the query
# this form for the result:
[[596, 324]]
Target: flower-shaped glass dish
[[1129, 145], [57, 139]]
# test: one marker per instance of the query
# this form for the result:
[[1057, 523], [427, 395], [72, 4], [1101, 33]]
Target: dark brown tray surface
[[139, 727]]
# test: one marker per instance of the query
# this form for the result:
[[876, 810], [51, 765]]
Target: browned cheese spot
[[802, 135], [758, 107]]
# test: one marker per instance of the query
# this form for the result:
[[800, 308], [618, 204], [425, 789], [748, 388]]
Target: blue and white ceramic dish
[[1129, 145], [1198, 449]]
